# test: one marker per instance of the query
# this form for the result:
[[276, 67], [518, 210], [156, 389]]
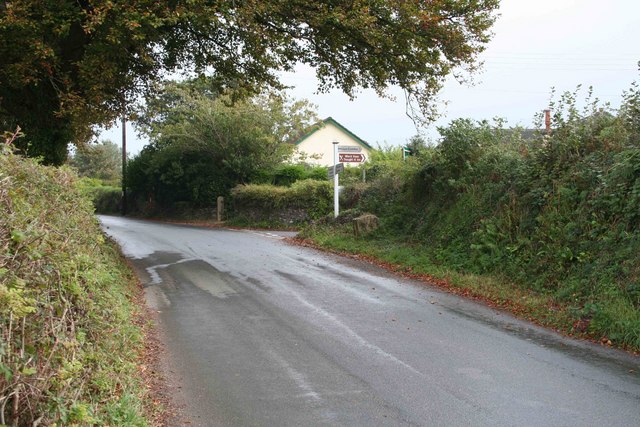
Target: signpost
[[406, 152], [352, 157], [339, 168], [346, 154]]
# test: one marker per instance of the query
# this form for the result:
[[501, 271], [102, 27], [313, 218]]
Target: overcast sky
[[537, 45]]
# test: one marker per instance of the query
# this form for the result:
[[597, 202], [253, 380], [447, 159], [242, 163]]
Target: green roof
[[313, 129]]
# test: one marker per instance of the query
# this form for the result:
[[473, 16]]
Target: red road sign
[[352, 157]]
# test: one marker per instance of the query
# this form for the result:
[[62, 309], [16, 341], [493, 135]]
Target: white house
[[316, 146]]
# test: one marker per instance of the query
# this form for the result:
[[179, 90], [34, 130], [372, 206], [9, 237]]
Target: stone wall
[[288, 216]]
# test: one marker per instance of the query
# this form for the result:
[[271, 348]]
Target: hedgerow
[[68, 342], [556, 213], [106, 198], [314, 197]]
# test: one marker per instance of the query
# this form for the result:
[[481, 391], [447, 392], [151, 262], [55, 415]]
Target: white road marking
[[351, 333], [295, 375], [261, 233]]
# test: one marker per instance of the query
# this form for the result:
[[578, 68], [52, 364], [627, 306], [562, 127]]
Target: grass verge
[[412, 262]]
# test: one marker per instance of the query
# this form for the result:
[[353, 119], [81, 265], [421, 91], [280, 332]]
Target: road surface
[[261, 332]]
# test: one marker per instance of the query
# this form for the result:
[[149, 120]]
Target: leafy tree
[[417, 144], [68, 65], [102, 161], [202, 146]]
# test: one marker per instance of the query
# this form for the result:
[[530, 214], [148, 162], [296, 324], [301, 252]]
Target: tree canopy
[[68, 65]]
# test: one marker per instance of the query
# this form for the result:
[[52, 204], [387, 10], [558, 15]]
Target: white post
[[335, 180]]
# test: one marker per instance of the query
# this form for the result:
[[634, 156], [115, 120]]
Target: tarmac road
[[261, 332]]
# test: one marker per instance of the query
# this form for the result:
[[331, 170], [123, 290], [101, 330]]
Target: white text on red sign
[[351, 157]]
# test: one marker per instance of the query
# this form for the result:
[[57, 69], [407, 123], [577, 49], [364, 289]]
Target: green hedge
[[106, 198], [315, 197], [288, 174], [68, 339]]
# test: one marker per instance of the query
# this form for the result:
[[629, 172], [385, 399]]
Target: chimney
[[547, 120]]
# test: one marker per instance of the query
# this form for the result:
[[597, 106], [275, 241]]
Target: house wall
[[321, 143]]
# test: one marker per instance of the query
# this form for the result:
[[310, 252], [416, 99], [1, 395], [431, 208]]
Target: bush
[[107, 200], [351, 194], [160, 178], [288, 174]]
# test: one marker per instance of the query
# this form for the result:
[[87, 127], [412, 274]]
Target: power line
[[543, 67], [565, 55]]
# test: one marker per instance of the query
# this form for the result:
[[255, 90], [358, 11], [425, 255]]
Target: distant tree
[[68, 65], [202, 145], [102, 161], [417, 144]]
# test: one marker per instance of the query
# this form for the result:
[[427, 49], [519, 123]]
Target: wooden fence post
[[220, 208]]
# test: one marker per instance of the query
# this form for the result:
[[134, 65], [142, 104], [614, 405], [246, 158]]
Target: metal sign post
[[336, 208]]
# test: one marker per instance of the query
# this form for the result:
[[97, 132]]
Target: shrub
[[351, 194], [288, 174]]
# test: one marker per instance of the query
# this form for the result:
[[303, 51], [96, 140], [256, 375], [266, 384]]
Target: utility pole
[[335, 180], [124, 164]]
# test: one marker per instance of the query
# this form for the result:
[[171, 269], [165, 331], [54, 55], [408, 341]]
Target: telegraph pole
[[124, 164], [335, 180]]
